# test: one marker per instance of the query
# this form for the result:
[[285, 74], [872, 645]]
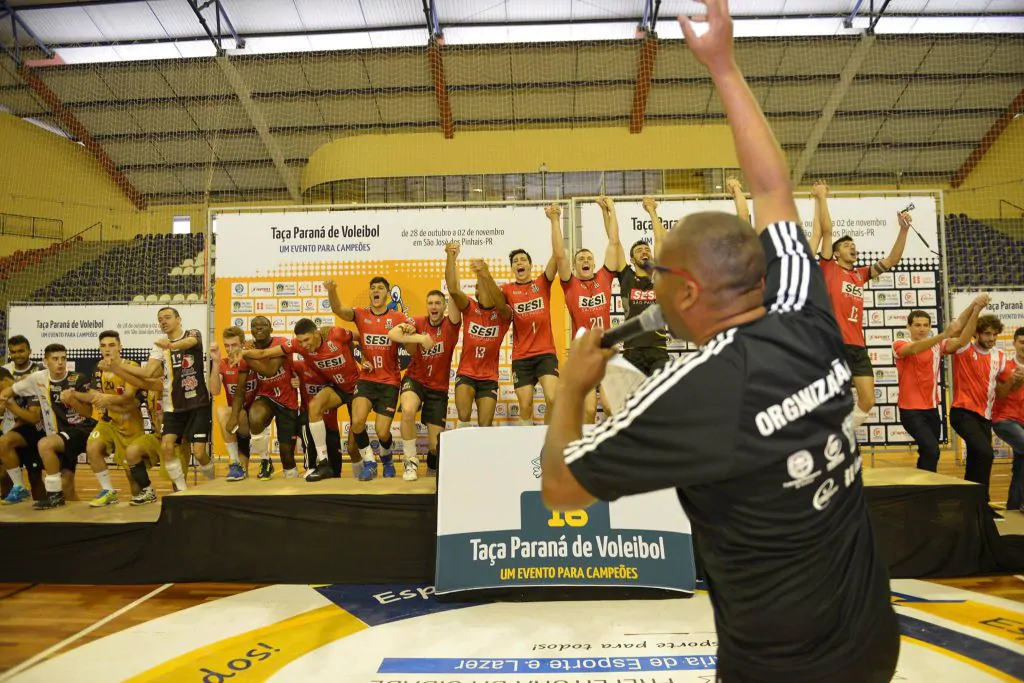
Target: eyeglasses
[[656, 268]]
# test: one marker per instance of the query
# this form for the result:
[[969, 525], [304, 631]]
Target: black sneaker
[[52, 500], [323, 471], [266, 470]]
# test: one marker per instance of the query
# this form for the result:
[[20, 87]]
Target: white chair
[[200, 269], [178, 298], [175, 271], [151, 299], [164, 299], [188, 270], [139, 299], [192, 297], [187, 262]]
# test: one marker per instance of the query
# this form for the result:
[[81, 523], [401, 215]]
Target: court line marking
[[32, 661]]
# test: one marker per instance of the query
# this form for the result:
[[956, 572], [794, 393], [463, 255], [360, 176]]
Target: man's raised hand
[[713, 48]]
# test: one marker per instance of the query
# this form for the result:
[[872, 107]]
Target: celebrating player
[[846, 284], [381, 329], [21, 416], [329, 352], [425, 386], [476, 379], [227, 370], [1008, 417]]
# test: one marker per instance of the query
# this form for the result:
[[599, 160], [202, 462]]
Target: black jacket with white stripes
[[755, 434]]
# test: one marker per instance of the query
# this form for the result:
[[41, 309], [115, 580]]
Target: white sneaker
[[411, 470], [293, 473], [207, 470]]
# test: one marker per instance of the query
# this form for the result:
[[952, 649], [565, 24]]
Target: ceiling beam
[[835, 98], [221, 21], [1015, 109], [241, 89], [72, 125], [18, 25]]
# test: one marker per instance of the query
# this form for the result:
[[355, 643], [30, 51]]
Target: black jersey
[[638, 295], [184, 375], [57, 416], [764, 462]]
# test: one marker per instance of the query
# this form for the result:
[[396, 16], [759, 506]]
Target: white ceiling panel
[[607, 62], [76, 84], [320, 15], [404, 38], [195, 78], [859, 129], [907, 129], [392, 12], [899, 55], [177, 19], [603, 101], [549, 10], [463, 67], [485, 104], [63, 25], [351, 110], [414, 108], [679, 99], [461, 11], [400, 70], [533, 104], [259, 16], [126, 21], [290, 111]]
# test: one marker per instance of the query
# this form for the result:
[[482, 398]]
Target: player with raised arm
[[187, 414], [21, 424], [484, 330], [425, 387], [769, 480], [381, 330], [329, 352], [228, 369], [528, 300], [1008, 417], [846, 283], [587, 288], [67, 421], [649, 351]]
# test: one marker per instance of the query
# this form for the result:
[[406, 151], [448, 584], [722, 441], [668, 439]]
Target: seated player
[[425, 387], [227, 370], [310, 383], [22, 414], [67, 424]]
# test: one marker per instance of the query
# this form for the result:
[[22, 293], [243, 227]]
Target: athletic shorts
[[433, 403], [647, 360], [859, 362], [191, 425], [384, 397], [286, 419], [526, 372], [484, 388], [117, 443], [29, 454], [344, 396]]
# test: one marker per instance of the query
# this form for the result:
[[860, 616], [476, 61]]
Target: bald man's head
[[719, 250]]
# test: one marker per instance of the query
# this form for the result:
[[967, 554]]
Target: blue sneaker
[[236, 473], [16, 495], [389, 467], [369, 471]]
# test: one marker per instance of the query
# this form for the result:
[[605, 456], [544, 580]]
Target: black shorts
[[859, 362], [344, 396], [74, 443], [484, 388], [383, 397], [526, 372], [75, 439], [433, 403], [286, 419], [647, 360], [190, 425]]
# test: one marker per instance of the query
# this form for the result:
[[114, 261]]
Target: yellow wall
[[999, 175]]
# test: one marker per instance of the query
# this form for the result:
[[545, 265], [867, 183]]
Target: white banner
[[79, 327], [268, 244], [1008, 305], [493, 531]]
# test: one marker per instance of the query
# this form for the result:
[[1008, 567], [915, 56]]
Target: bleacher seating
[[981, 257], [143, 267], [20, 260]]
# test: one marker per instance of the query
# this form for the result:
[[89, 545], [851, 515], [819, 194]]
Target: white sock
[[859, 417], [319, 432], [367, 454], [259, 444], [385, 452], [409, 448], [17, 477], [104, 479], [52, 482], [525, 423], [233, 452], [173, 468]]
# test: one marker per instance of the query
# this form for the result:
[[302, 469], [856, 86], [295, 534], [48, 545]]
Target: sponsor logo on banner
[[869, 299], [309, 305], [884, 281], [538, 410], [504, 374], [266, 306], [239, 289], [513, 410], [291, 320], [897, 318], [887, 414], [522, 543], [453, 411], [241, 306], [926, 297], [500, 410], [896, 433], [285, 289], [279, 323], [238, 322], [923, 280], [872, 415], [319, 289], [880, 356], [861, 434], [323, 321], [886, 376], [909, 297], [506, 393], [289, 305], [878, 337], [892, 395], [325, 304], [887, 299], [876, 433], [304, 289], [261, 289], [902, 279], [900, 334], [879, 394], [875, 318]]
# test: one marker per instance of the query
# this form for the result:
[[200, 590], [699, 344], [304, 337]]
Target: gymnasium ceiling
[[142, 80]]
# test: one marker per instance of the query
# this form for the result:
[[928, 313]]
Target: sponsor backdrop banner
[[1009, 306], [493, 531], [914, 284], [274, 264]]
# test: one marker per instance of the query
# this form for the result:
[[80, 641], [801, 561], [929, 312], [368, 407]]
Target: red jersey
[[378, 348], [1011, 407], [590, 301], [919, 376], [846, 291], [334, 359], [974, 378], [482, 337], [310, 384], [432, 368], [531, 317], [229, 378], [278, 387]]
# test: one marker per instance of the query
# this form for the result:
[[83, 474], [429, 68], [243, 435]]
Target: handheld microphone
[[648, 321]]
